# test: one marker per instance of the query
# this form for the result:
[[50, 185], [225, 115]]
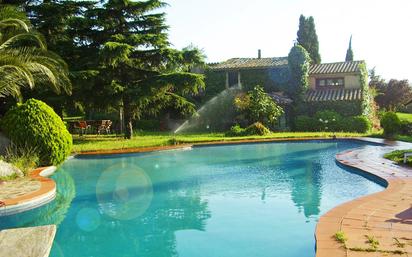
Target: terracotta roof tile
[[250, 63], [337, 67], [258, 63], [333, 95]]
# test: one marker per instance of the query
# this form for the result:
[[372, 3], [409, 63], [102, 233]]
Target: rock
[[6, 169]]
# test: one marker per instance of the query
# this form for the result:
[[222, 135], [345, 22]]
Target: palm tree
[[24, 58]]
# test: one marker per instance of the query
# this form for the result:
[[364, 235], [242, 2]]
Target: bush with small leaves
[[35, 124], [390, 123]]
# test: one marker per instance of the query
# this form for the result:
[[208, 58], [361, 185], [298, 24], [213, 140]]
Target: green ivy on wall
[[215, 83], [345, 108], [272, 80]]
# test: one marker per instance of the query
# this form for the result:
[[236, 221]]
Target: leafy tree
[[308, 38], [258, 107], [349, 52], [299, 63], [24, 59], [136, 64], [393, 95]]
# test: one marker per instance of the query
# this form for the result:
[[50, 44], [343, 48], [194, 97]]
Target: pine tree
[[308, 39], [137, 66], [349, 52], [64, 26]]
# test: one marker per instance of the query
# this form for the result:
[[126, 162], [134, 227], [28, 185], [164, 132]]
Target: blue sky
[[382, 30]]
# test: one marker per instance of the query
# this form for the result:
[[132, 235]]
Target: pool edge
[[383, 208]]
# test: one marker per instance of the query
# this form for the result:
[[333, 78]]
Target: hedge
[[335, 122], [390, 123], [35, 124], [256, 129]]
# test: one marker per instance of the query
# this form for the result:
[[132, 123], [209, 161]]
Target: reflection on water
[[52, 213], [245, 200]]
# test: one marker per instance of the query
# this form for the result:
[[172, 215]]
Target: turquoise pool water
[[224, 201]]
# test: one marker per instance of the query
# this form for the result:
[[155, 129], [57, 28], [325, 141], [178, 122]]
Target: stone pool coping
[[32, 241], [45, 194], [386, 216]]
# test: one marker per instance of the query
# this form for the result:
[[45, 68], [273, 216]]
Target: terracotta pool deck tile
[[45, 193], [331, 253], [385, 215]]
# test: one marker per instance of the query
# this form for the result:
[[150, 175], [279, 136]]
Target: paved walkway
[[27, 193], [17, 188], [375, 225]]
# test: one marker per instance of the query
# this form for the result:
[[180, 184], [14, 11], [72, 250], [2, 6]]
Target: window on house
[[233, 78], [330, 82]]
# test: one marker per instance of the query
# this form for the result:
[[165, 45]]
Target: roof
[[250, 63], [280, 98], [259, 63], [336, 67], [333, 95]]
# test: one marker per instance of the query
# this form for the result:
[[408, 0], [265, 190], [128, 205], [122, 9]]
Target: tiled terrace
[[384, 217]]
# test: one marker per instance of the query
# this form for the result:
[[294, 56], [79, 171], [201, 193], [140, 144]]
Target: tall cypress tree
[[308, 38], [349, 52]]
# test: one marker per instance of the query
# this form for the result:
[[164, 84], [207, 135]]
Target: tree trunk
[[128, 118]]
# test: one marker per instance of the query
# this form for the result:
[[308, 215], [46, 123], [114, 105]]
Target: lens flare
[[124, 191], [88, 219]]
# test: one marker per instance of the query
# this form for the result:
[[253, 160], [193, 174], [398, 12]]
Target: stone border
[[30, 241], [44, 195], [213, 143], [380, 215]]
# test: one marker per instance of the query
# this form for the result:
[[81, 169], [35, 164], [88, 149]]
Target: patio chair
[[104, 127], [82, 126]]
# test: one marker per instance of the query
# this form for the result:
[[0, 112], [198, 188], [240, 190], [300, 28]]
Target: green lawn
[[397, 156], [405, 116], [147, 139]]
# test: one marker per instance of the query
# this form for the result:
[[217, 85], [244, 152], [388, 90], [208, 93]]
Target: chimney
[[259, 54]]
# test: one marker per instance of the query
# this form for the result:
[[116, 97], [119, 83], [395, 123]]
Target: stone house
[[339, 86]]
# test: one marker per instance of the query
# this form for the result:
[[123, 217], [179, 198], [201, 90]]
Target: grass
[[24, 158], [397, 156], [148, 139], [341, 237], [404, 116], [374, 243]]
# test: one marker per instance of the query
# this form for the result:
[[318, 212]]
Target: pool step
[[27, 242]]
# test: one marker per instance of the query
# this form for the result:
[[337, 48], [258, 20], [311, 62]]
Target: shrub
[[35, 124], [406, 128], [329, 120], [306, 124], [257, 128], [258, 106], [390, 123], [235, 131], [22, 157], [358, 124]]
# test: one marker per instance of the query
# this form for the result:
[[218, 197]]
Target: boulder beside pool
[[32, 241], [7, 170]]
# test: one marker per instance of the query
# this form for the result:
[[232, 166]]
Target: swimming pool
[[235, 200]]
